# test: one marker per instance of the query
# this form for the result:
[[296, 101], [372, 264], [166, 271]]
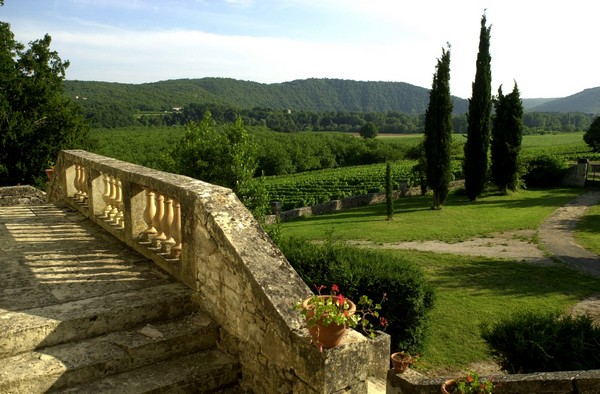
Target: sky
[[548, 47]]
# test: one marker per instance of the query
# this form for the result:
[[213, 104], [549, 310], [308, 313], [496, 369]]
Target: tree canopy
[[36, 119], [592, 135]]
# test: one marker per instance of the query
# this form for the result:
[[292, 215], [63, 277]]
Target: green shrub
[[544, 171], [372, 273], [529, 342]]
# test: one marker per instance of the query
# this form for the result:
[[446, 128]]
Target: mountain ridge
[[313, 94]]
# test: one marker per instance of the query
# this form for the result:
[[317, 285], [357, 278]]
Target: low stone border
[[575, 382], [21, 195]]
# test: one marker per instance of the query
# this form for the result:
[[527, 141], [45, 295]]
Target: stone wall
[[574, 382], [576, 175], [242, 280], [347, 203]]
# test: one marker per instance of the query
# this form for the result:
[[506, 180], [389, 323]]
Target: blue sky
[[548, 47]]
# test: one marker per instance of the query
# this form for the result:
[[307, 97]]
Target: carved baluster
[[119, 200], [149, 213], [77, 182], [83, 185], [113, 198], [106, 195], [166, 226], [176, 229], [157, 222]]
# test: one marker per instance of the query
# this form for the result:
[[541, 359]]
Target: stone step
[[27, 330], [202, 372], [73, 363]]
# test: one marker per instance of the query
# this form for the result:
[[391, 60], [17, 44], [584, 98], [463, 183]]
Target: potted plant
[[402, 360], [469, 384], [49, 169], [329, 316]]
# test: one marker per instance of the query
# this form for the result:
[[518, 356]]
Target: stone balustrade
[[203, 236]]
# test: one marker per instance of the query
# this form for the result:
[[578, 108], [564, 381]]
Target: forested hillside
[[302, 105], [586, 101], [316, 95]]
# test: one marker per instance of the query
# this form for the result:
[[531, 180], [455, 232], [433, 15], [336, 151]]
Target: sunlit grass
[[414, 220]]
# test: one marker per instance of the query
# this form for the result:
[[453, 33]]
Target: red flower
[[470, 379], [383, 322], [335, 289], [341, 300]]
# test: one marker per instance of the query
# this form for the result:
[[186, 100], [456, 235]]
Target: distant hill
[[587, 101], [317, 95], [530, 103]]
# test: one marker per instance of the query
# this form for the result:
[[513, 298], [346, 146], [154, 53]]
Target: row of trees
[[294, 121], [507, 130]]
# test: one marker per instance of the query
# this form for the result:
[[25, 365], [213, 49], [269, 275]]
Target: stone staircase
[[80, 312]]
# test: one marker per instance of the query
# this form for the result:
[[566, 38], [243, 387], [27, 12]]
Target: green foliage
[[315, 95], [529, 341], [368, 130], [389, 191], [544, 171], [36, 120], [479, 117], [506, 142], [310, 188], [360, 272], [438, 132], [592, 135], [223, 155]]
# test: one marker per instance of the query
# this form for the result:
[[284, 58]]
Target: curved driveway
[[556, 234]]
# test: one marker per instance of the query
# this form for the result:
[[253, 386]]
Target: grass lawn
[[587, 232], [470, 290], [414, 220]]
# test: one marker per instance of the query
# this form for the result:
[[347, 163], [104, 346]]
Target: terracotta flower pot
[[400, 361], [49, 172], [448, 385], [326, 336]]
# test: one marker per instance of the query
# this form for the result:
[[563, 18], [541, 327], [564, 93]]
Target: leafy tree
[[369, 130], [479, 115], [225, 155], [592, 135], [507, 133], [36, 120], [438, 132]]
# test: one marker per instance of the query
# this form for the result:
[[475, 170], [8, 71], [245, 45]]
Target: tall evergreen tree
[[507, 133], [389, 192], [438, 132], [475, 164]]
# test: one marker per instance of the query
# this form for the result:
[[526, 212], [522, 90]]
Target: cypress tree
[[389, 191], [475, 164], [507, 133], [438, 132]]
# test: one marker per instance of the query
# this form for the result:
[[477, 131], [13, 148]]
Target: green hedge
[[529, 342], [365, 272]]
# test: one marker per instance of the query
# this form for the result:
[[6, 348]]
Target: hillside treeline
[[292, 121], [314, 95]]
